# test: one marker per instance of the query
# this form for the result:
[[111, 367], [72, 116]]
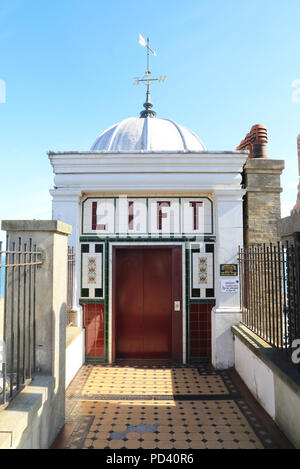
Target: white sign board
[[147, 216], [230, 285]]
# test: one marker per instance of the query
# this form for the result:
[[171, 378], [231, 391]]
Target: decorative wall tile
[[196, 215], [131, 215], [202, 270], [164, 215], [98, 216], [92, 270]]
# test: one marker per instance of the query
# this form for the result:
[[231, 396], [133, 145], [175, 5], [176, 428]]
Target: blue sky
[[69, 65]]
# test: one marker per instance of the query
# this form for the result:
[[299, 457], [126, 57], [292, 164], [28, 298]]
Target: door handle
[[176, 305]]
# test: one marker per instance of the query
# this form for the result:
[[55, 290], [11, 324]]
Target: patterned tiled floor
[[164, 407], [130, 381]]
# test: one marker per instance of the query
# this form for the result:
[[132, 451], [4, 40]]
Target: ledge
[[270, 356], [71, 334], [55, 226], [5, 440], [18, 416], [264, 189], [263, 165]]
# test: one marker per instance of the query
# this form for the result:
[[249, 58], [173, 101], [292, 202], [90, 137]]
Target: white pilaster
[[229, 236], [66, 207]]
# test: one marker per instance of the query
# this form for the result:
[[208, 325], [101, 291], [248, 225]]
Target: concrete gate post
[[51, 238]]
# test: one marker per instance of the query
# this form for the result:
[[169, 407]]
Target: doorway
[[147, 303]]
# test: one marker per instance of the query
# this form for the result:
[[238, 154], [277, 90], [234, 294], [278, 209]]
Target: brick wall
[[200, 330]]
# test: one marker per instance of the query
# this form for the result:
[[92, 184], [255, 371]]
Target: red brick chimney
[[256, 142]]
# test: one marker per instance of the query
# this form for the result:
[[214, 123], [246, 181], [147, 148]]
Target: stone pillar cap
[[55, 226]]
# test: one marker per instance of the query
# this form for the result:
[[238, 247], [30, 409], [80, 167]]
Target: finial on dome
[[147, 80], [148, 112]]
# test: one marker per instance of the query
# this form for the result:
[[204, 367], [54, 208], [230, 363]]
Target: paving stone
[[116, 444]]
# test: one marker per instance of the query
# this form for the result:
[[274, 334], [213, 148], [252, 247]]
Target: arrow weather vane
[[148, 80]]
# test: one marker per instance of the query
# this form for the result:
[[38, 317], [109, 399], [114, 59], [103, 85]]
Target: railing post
[[71, 320], [297, 285]]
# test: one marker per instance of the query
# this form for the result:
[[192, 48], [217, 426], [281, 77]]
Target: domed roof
[[147, 134]]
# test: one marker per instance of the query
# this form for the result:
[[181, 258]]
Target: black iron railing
[[70, 287], [270, 293], [18, 264]]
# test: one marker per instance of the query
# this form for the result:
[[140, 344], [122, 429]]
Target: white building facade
[[157, 221]]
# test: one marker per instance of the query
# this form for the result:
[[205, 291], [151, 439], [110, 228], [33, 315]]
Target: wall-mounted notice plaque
[[229, 270]]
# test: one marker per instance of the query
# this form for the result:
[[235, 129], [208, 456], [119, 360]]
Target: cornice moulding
[[152, 153], [141, 164]]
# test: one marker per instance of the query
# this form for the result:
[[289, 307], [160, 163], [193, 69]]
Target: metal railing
[[18, 264], [70, 286], [270, 293]]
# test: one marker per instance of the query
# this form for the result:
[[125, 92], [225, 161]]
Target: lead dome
[[147, 134]]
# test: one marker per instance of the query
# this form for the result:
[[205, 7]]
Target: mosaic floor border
[[155, 397], [80, 433]]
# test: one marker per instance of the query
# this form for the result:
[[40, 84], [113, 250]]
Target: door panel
[[143, 303], [157, 314], [129, 303]]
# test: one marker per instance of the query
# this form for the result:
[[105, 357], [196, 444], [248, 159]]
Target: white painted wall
[[75, 357], [222, 339], [277, 393], [256, 375]]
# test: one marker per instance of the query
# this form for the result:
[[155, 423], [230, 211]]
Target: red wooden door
[[143, 303]]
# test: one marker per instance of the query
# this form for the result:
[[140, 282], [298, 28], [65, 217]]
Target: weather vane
[[148, 80]]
